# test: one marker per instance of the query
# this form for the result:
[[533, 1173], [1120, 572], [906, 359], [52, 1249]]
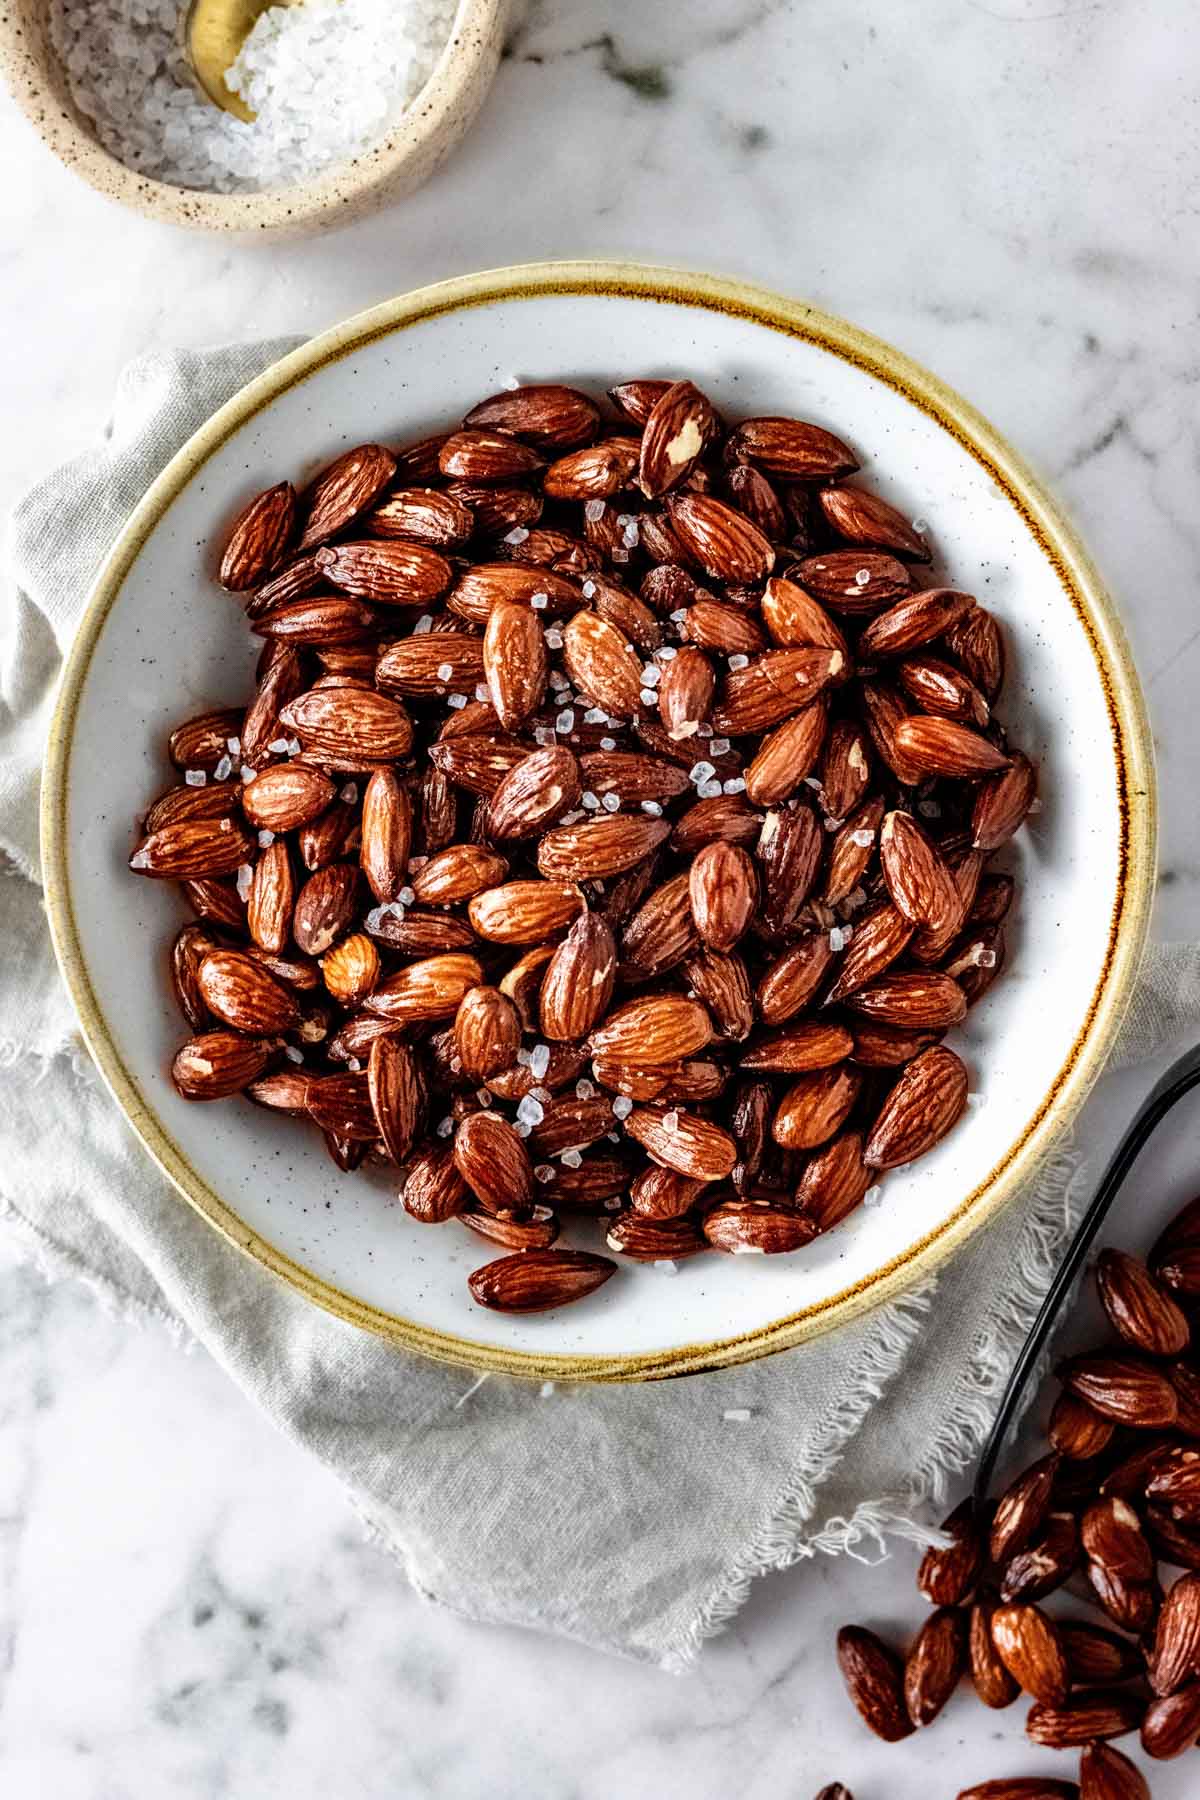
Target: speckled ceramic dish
[[395, 166], [160, 640]]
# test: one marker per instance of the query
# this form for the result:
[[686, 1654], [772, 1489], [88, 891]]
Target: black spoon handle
[[1179, 1079]]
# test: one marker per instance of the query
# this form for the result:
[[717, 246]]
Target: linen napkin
[[632, 1518]]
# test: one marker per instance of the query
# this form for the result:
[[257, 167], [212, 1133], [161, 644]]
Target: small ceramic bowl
[[160, 641], [428, 130]]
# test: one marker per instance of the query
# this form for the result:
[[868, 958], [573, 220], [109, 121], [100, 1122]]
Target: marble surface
[[1006, 189]]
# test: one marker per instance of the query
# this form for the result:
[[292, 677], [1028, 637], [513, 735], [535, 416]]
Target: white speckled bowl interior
[[161, 641], [398, 164]]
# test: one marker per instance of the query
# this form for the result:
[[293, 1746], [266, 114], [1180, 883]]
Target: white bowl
[[160, 641]]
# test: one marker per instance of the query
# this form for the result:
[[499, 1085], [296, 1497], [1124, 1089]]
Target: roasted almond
[[514, 662], [861, 517], [578, 983], [218, 1063], [258, 538], [427, 990], [853, 581], [596, 472], [423, 515], [935, 1664], [941, 747], [1084, 1718], [457, 873], [1032, 1651], [921, 885], [193, 849], [948, 1574], [927, 1101], [661, 1028], [835, 1180], [753, 1228], [286, 796], [1003, 803], [603, 663], [674, 437], [683, 1141], [534, 794], [724, 542], [487, 1031], [685, 693], [874, 1679], [1139, 1310], [486, 456], [351, 969], [346, 489], [723, 890], [595, 848], [350, 722], [1122, 1388], [524, 912], [548, 413], [533, 1280], [914, 620]]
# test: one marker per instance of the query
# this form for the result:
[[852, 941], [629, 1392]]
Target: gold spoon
[[213, 34]]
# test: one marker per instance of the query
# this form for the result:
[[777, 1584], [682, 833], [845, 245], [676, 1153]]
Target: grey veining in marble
[[1008, 190]]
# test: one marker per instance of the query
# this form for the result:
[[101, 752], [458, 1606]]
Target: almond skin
[[723, 890], [534, 1280], [427, 990], [193, 849], [286, 796], [271, 905], [940, 747], [603, 663], [947, 1576], [793, 449], [815, 1107], [927, 1102], [1122, 1388], [834, 1181], [1002, 804], [814, 1045], [914, 620], [386, 834], [351, 969], [685, 693], [599, 847], [919, 882], [577, 987], [397, 1095], [863, 518], [524, 912], [325, 908], [550, 414], [853, 581]]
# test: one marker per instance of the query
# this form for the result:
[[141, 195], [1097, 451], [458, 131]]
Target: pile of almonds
[[607, 832], [1117, 1495]]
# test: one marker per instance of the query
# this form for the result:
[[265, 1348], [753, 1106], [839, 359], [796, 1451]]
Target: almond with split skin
[[676, 432], [534, 794], [741, 1228], [577, 987]]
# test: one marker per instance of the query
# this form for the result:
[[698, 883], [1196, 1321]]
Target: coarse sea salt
[[325, 80]]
